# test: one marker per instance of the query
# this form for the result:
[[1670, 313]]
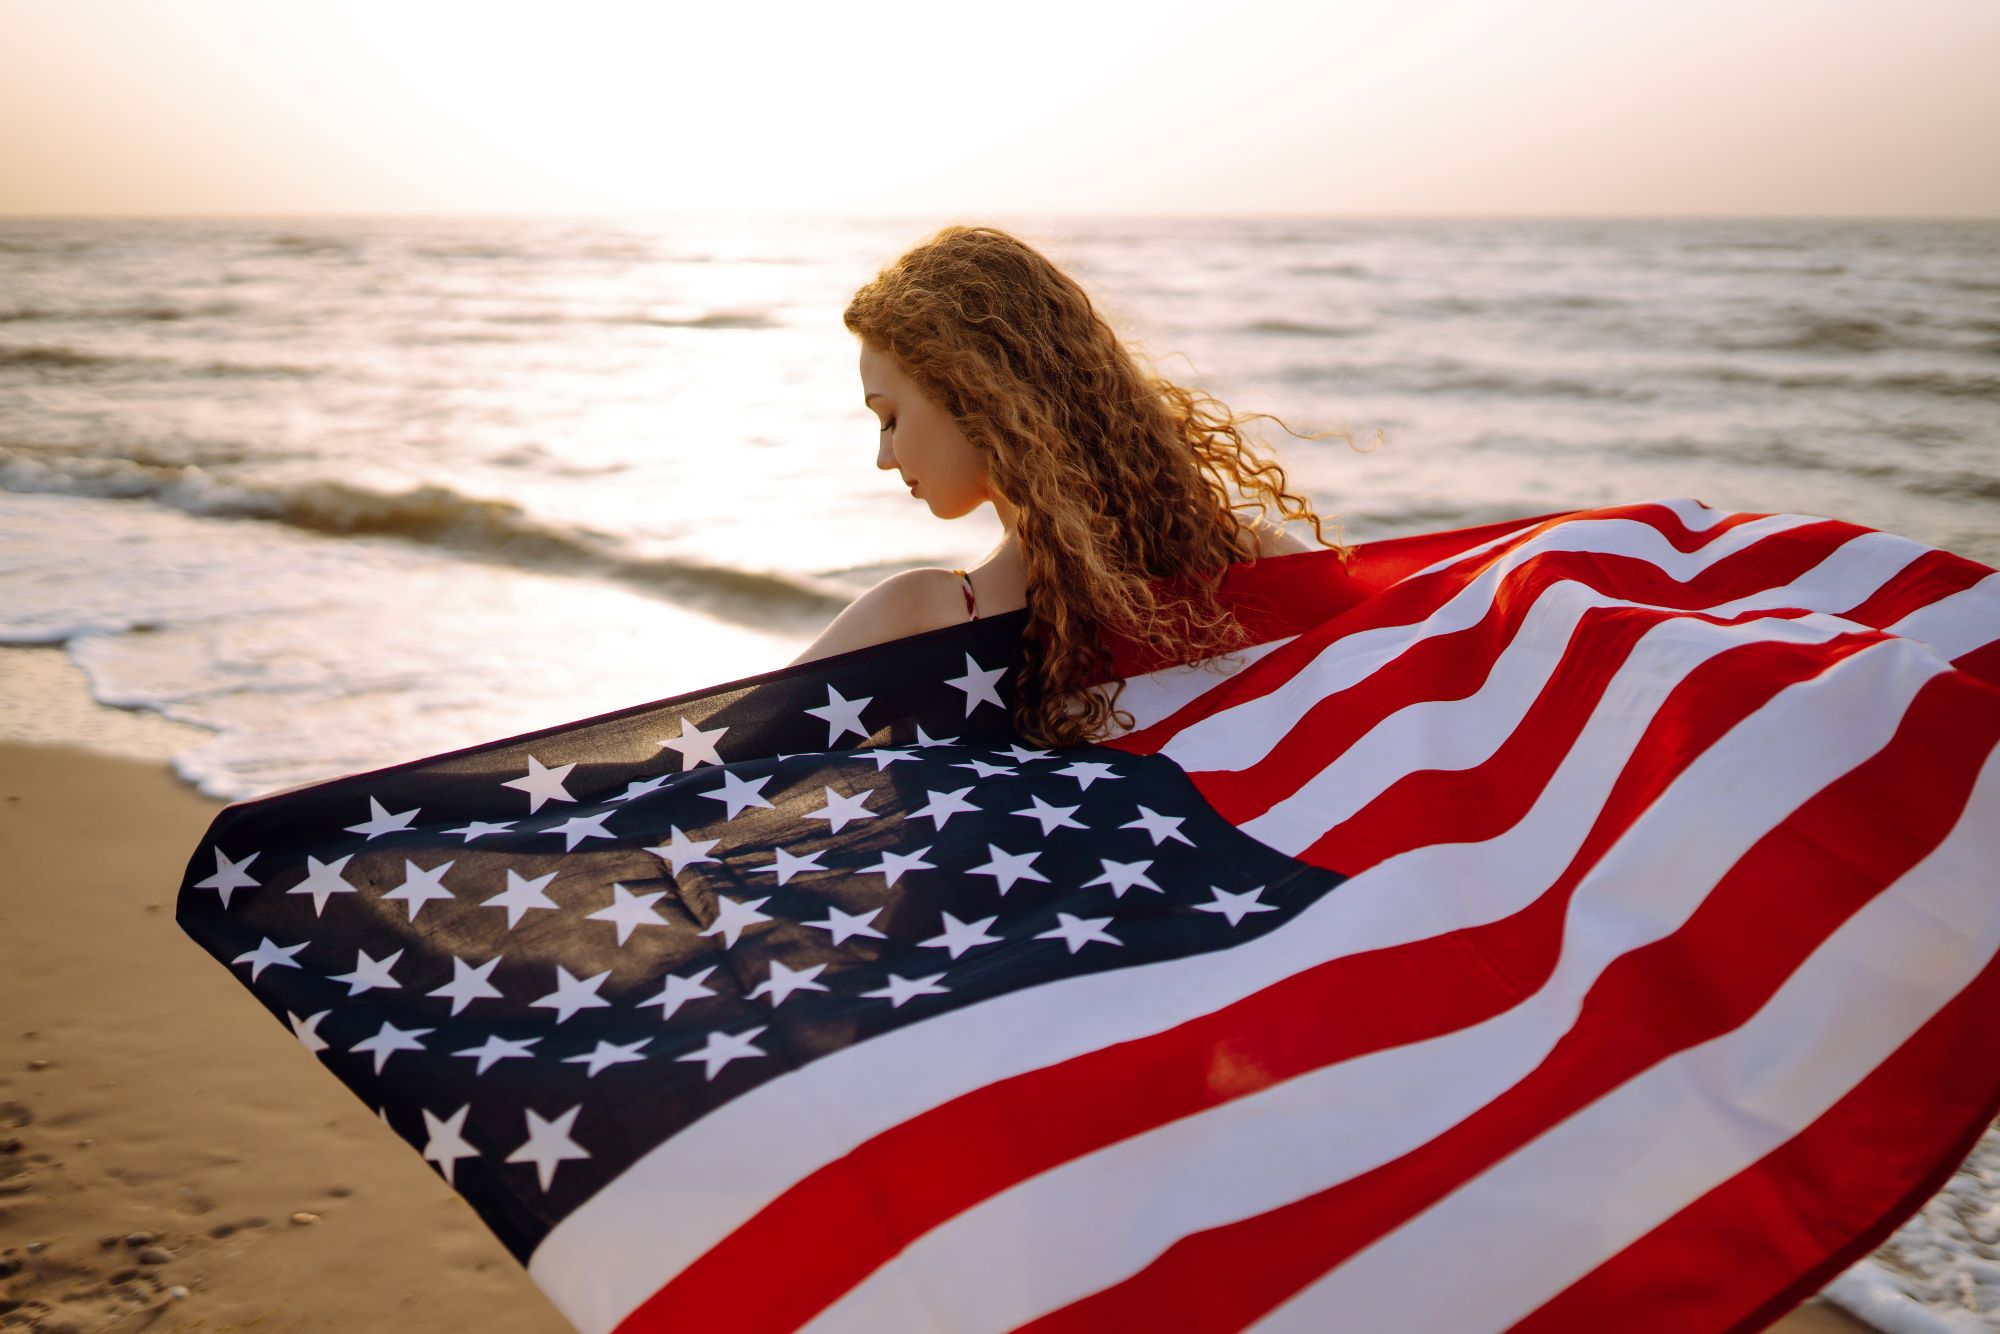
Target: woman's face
[[921, 441]]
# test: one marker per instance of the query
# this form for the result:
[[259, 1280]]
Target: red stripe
[[1773, 907], [1811, 1207], [1414, 600], [1929, 578], [1491, 797], [1981, 663], [1455, 665], [908, 1179]]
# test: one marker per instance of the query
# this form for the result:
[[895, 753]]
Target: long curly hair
[[1119, 477]]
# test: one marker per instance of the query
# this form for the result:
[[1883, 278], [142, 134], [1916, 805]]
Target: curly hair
[[1119, 477]]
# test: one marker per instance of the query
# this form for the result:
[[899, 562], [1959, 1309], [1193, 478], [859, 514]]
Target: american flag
[[1576, 923]]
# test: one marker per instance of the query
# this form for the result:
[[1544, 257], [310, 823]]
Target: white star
[[984, 770], [883, 758], [678, 991], [844, 924], [894, 864], [978, 684], [1236, 906], [228, 876], [1086, 772], [944, 805], [684, 850], [901, 989], [447, 1140], [608, 1053], [841, 809], [1122, 876], [420, 886], [926, 739], [390, 1041], [732, 916], [469, 984], [542, 783], [307, 1030], [629, 910], [1076, 932], [842, 715], [784, 981], [694, 745], [579, 827], [635, 788], [739, 792], [549, 1144], [1159, 826], [497, 1048], [573, 993], [1022, 755], [323, 881], [1052, 817], [1007, 867], [379, 820], [481, 828], [958, 937], [520, 895], [269, 952], [788, 864], [722, 1048], [369, 973]]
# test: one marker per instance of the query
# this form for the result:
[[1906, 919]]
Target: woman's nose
[[885, 457]]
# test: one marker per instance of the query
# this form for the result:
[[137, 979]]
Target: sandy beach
[[170, 1158]]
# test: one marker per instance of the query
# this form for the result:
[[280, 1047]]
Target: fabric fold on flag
[[1601, 904]]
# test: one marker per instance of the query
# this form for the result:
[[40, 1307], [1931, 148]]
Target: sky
[[1687, 108]]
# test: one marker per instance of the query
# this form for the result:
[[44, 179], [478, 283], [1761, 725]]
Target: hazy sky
[[1533, 107]]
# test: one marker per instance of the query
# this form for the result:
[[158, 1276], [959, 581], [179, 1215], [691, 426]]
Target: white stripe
[[1849, 575], [1672, 1134], [1459, 734], [1448, 735], [1694, 516], [1956, 625], [1236, 738], [1154, 696], [609, 1255], [1097, 1219]]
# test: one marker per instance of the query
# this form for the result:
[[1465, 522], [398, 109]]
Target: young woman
[[996, 381]]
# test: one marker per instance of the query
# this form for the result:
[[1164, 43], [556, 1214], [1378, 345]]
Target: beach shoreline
[[159, 1134]]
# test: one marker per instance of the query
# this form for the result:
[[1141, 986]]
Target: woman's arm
[[903, 604]]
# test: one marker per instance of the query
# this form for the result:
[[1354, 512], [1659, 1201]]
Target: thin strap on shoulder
[[971, 604]]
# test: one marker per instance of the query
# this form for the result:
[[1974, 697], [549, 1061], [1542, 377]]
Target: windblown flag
[[1585, 922]]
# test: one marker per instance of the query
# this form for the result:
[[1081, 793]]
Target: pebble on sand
[[304, 1219], [155, 1255], [141, 1238]]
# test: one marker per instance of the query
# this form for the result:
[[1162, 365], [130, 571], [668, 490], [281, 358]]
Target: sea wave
[[156, 312], [1939, 382], [55, 358], [1777, 452], [51, 356], [472, 527], [713, 319], [1302, 329]]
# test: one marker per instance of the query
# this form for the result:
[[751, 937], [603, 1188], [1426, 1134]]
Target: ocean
[[339, 493]]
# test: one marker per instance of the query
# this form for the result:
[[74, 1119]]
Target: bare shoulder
[[906, 603], [1274, 539]]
